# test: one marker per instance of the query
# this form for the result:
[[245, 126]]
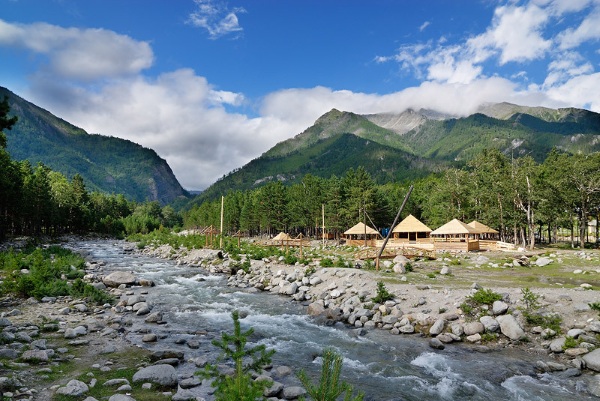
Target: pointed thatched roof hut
[[411, 229], [356, 235], [456, 236], [455, 228], [282, 237], [361, 229], [485, 231]]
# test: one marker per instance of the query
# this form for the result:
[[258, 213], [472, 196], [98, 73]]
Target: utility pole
[[323, 213], [221, 239]]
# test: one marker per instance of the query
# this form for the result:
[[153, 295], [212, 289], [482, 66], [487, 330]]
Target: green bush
[[49, 272], [240, 386], [570, 342], [329, 387], [550, 321], [484, 297], [382, 294], [472, 306], [326, 262], [595, 306], [530, 299]]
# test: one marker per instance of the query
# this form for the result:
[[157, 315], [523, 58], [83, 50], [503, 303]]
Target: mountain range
[[107, 164], [407, 145], [390, 146]]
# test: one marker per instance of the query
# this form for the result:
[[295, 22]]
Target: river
[[384, 366]]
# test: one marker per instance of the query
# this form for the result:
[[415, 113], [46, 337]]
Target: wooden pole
[[222, 206], [387, 237], [323, 212], [365, 221]]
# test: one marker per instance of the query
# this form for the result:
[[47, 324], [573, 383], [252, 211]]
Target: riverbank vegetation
[[525, 200], [46, 272]]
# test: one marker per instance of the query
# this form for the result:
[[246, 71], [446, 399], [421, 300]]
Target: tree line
[[524, 200], [35, 200]]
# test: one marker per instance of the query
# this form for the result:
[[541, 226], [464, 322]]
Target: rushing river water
[[384, 366]]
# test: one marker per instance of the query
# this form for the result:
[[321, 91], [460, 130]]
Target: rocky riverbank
[[66, 346], [61, 346], [345, 295]]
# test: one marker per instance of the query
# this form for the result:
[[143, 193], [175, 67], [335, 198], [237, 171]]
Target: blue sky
[[212, 84]]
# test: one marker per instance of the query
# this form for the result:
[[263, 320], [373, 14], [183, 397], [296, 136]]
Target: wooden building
[[361, 235], [411, 230], [456, 236]]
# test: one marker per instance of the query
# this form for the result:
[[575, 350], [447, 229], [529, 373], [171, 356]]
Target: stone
[[543, 261], [183, 394], [293, 392], [36, 355], [557, 345], [437, 327], [116, 279], [162, 374], [445, 338], [445, 271], [474, 338], [436, 344], [154, 317], [165, 354], [116, 382], [74, 388], [491, 325], [121, 397], [315, 309], [273, 390], [190, 382], [592, 360], [499, 307], [473, 328], [594, 385], [575, 333], [510, 327], [149, 338]]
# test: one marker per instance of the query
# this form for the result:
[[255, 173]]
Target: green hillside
[[107, 164], [333, 155], [416, 143]]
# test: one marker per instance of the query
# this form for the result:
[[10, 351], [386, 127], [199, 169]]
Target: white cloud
[[424, 25], [216, 18], [589, 29], [81, 54], [516, 33]]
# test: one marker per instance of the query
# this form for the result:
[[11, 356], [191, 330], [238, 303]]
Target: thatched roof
[[282, 237], [411, 225], [455, 227], [360, 229], [482, 228]]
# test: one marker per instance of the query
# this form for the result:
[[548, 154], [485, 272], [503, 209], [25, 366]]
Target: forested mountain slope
[[397, 146], [107, 164]]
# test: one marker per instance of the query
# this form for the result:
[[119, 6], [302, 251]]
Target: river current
[[384, 366]]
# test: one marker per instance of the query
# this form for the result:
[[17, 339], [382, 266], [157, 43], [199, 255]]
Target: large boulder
[[74, 388], [473, 328], [592, 360], [510, 327], [163, 375], [115, 279]]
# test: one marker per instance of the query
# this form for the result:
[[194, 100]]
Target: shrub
[[530, 299], [472, 304], [595, 306], [570, 342], [409, 267], [382, 293], [240, 386], [329, 388], [484, 297], [326, 262]]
